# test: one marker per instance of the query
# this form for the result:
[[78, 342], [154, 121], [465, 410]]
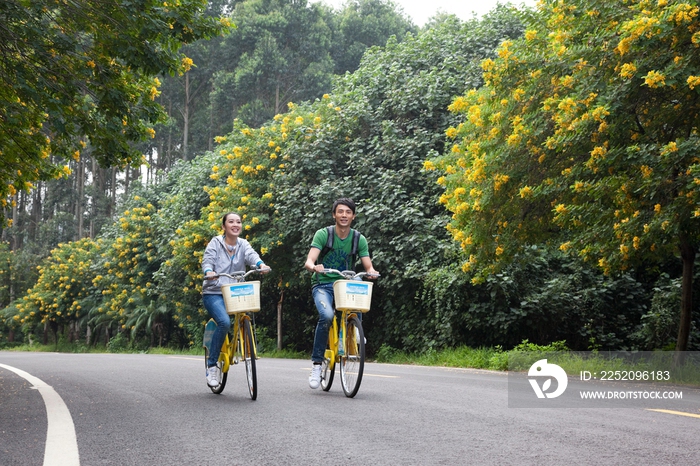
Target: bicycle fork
[[332, 353]]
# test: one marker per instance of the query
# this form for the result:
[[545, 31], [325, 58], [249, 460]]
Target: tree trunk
[[279, 321], [80, 182], [277, 99], [211, 121], [688, 258], [186, 116], [88, 335], [15, 223], [113, 194], [36, 214]]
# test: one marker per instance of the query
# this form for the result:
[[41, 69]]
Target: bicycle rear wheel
[[248, 353], [219, 388], [352, 363]]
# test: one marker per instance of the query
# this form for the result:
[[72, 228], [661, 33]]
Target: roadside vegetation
[[514, 185]]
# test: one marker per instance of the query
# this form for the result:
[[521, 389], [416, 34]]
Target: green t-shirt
[[339, 258]]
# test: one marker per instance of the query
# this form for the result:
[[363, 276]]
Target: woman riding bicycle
[[224, 254], [337, 256]]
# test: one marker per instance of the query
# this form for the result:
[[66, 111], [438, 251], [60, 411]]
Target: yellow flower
[[187, 63], [670, 147], [429, 165], [655, 79], [525, 192], [693, 81], [458, 105], [628, 69]]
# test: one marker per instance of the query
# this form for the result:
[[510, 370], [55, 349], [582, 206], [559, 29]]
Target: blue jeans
[[214, 304], [323, 297]]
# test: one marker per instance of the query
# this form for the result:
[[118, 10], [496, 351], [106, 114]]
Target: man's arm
[[367, 264], [311, 258]]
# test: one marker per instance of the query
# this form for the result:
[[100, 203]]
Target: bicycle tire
[[352, 363], [327, 369], [248, 352], [219, 388]]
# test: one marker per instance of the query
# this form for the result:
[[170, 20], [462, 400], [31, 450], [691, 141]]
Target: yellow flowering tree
[[241, 181], [61, 294], [585, 136], [126, 282], [86, 71]]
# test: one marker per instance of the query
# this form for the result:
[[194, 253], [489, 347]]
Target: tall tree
[[85, 70], [361, 24], [586, 137], [278, 53]]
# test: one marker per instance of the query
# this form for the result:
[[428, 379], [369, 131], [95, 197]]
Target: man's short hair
[[344, 201]]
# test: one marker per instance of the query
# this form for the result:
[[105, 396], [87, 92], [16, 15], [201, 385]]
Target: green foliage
[[63, 287], [79, 72], [361, 24], [584, 136], [659, 328], [141, 280]]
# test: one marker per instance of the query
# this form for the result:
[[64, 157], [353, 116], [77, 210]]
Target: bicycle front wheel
[[328, 365], [352, 363], [219, 388], [249, 358]]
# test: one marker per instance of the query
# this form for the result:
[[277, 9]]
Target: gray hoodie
[[217, 258]]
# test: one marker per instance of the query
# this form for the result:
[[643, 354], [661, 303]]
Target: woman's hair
[[344, 201], [223, 219]]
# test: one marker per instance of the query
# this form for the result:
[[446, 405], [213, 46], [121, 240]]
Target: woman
[[224, 254]]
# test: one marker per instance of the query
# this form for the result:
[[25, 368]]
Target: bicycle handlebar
[[350, 274], [239, 275]]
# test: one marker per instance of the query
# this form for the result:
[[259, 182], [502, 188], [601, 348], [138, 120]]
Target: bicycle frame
[[239, 344], [338, 339], [230, 353]]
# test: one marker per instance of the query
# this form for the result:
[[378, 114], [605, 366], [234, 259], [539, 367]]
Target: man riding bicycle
[[334, 247]]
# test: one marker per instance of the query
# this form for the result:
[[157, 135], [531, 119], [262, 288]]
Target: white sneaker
[[315, 377], [213, 376]]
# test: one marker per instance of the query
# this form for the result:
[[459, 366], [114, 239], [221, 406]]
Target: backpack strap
[[329, 243], [355, 243]]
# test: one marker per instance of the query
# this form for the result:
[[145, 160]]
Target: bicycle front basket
[[241, 297], [352, 294]]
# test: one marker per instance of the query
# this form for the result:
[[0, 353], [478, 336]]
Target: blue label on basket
[[357, 288], [242, 290]]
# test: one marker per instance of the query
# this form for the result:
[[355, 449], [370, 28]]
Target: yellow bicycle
[[346, 340], [240, 298]]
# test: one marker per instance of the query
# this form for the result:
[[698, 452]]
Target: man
[[333, 252]]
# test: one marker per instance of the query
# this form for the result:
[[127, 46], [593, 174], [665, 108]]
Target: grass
[[518, 359]]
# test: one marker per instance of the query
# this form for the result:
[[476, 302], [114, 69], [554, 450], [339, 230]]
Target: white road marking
[[61, 443]]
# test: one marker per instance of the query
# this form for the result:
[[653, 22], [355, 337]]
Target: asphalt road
[[130, 409]]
